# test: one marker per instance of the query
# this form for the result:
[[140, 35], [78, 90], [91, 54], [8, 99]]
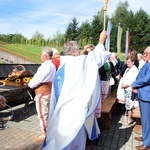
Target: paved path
[[25, 126]]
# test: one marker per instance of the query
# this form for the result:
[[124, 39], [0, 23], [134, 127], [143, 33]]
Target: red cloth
[[56, 62]]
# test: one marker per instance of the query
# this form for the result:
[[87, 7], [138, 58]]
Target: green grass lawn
[[30, 52], [23, 51]]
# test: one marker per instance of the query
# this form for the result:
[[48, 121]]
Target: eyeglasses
[[146, 53]]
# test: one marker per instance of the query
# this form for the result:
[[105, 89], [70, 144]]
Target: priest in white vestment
[[74, 98]]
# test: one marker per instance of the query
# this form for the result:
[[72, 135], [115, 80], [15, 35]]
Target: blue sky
[[49, 16]]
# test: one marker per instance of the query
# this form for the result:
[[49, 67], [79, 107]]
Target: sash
[[58, 82]]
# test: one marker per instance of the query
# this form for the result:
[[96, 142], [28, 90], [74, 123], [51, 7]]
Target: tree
[[85, 34], [59, 39], [140, 33], [13, 38], [37, 38], [120, 16], [72, 32], [96, 27]]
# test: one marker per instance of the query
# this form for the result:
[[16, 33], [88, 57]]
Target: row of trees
[[138, 24]]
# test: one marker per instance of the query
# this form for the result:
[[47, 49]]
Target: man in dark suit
[[142, 87]]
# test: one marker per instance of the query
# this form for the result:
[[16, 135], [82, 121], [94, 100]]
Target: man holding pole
[[75, 95]]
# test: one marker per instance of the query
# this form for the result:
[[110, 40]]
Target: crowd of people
[[70, 89], [133, 89]]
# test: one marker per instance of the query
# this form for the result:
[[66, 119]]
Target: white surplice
[[72, 115]]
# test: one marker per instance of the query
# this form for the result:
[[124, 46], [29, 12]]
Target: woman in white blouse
[[128, 77]]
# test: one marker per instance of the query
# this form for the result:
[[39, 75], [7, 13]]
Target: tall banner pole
[[105, 9]]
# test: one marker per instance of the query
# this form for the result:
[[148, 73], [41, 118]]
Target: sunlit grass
[[28, 52]]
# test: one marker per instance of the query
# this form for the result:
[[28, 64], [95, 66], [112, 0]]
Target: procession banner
[[107, 43], [119, 37], [127, 43]]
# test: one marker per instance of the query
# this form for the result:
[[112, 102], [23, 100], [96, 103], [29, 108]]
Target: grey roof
[[5, 69]]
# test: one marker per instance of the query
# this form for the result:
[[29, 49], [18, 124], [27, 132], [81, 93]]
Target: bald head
[[71, 48], [147, 54]]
